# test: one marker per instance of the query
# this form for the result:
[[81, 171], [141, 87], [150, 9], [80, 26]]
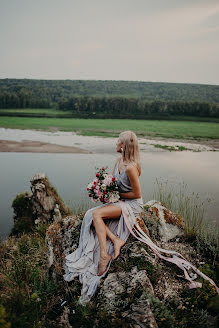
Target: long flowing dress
[[84, 261]]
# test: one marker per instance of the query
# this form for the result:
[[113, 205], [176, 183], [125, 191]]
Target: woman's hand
[[132, 173]]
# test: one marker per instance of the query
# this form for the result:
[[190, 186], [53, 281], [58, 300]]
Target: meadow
[[112, 127]]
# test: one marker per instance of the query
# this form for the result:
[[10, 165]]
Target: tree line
[[136, 108], [128, 99]]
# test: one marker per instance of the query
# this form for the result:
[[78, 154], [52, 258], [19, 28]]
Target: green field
[[112, 127]]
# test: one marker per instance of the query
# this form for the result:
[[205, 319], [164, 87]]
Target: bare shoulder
[[132, 169]]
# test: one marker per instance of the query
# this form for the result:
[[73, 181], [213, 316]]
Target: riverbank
[[70, 142], [37, 147]]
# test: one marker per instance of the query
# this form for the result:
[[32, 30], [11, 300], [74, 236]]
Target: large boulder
[[170, 225]]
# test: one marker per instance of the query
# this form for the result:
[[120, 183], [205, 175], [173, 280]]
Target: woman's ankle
[[116, 239], [104, 255]]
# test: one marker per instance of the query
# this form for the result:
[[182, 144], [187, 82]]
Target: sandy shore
[[37, 147], [16, 140]]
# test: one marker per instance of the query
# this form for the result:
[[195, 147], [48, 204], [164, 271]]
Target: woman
[[127, 170], [103, 229]]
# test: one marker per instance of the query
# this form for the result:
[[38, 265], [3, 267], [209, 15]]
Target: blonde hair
[[130, 147]]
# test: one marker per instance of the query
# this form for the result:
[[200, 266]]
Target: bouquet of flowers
[[103, 188]]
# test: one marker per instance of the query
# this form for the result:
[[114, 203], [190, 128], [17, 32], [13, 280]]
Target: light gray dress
[[84, 261]]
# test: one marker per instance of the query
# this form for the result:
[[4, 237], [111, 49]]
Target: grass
[[26, 289], [193, 210], [112, 127], [171, 148]]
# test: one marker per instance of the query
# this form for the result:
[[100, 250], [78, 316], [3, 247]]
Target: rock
[[41, 205], [62, 238], [170, 225], [116, 285], [57, 214], [122, 293], [141, 315]]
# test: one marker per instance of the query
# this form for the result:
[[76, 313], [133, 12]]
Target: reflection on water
[[70, 174]]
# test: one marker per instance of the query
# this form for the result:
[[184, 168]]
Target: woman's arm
[[132, 173]]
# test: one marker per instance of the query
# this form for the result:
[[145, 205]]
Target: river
[[70, 174]]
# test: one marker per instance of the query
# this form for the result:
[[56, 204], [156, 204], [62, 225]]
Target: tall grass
[[192, 207], [80, 206]]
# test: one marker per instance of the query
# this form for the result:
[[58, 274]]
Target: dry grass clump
[[192, 208]]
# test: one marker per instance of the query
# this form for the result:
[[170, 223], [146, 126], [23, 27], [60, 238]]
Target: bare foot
[[118, 243], [104, 260]]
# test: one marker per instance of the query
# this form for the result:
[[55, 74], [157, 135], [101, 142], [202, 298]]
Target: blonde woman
[[103, 229], [127, 170]]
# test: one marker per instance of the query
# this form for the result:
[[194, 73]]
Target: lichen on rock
[[170, 225]]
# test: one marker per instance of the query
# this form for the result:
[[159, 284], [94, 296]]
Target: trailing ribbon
[[177, 258]]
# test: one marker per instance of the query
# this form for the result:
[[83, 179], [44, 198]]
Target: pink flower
[[108, 180], [98, 193]]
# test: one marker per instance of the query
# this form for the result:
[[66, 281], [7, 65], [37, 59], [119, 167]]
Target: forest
[[113, 99]]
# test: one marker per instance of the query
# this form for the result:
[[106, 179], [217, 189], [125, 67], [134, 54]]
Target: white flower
[[114, 197], [107, 181], [103, 186]]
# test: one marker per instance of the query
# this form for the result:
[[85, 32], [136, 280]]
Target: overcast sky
[[140, 40]]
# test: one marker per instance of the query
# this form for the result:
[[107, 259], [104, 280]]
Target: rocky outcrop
[[170, 225], [124, 293], [119, 293], [135, 290], [47, 206], [41, 205]]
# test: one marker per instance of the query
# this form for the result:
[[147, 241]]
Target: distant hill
[[51, 91], [109, 99]]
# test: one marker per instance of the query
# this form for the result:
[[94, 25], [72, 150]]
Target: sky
[[135, 40]]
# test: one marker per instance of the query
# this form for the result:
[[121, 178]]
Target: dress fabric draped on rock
[[84, 261]]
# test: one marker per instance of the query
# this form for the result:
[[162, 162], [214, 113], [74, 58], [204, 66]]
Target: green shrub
[[3, 318], [162, 314]]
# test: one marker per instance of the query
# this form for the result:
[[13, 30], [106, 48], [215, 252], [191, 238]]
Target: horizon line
[[68, 79]]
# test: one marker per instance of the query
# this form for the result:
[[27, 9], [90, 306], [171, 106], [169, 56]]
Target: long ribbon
[[182, 263]]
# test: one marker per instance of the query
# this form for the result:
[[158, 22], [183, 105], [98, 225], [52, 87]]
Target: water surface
[[70, 174]]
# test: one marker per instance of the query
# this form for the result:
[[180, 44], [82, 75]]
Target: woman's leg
[[106, 212]]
